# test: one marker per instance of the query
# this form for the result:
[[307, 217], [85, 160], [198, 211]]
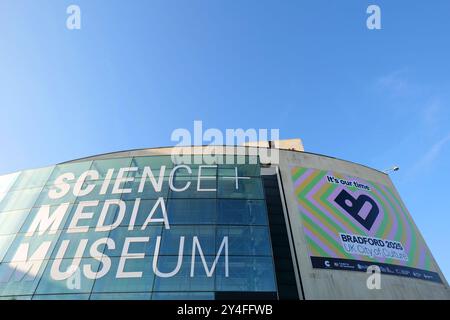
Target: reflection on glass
[[154, 162], [61, 197], [148, 190], [16, 281], [32, 178], [76, 168], [189, 187], [80, 296], [19, 199], [94, 211], [144, 209], [135, 247], [121, 296], [183, 296], [243, 170], [74, 244], [246, 188], [142, 283], [245, 240], [239, 214], [191, 211], [12, 221], [170, 242], [97, 194], [48, 212], [6, 182], [102, 166], [16, 298], [76, 282], [247, 274], [5, 242], [182, 281], [29, 245], [242, 212], [64, 296]]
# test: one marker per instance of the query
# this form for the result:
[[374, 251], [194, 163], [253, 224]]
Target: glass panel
[[77, 168], [148, 191], [20, 280], [144, 209], [74, 243], [20, 199], [44, 197], [243, 170], [204, 170], [191, 211], [242, 212], [171, 238], [245, 240], [5, 242], [95, 193], [32, 178], [31, 244], [11, 221], [102, 166], [246, 274], [119, 235], [51, 211], [194, 190], [16, 298], [183, 296], [92, 211], [7, 181], [154, 162], [247, 188], [82, 296], [182, 281], [77, 282], [110, 282], [121, 296]]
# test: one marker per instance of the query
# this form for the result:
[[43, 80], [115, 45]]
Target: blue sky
[[137, 70]]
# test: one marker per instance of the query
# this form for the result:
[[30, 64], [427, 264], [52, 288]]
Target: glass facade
[[134, 228]]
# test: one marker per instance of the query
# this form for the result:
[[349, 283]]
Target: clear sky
[[137, 70]]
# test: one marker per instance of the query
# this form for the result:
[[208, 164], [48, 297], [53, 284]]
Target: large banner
[[351, 223]]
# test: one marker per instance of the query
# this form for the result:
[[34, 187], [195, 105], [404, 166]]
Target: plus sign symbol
[[236, 177]]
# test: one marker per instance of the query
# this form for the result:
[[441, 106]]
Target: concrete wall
[[341, 284]]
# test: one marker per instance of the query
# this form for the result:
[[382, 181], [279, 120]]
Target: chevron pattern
[[323, 219]]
